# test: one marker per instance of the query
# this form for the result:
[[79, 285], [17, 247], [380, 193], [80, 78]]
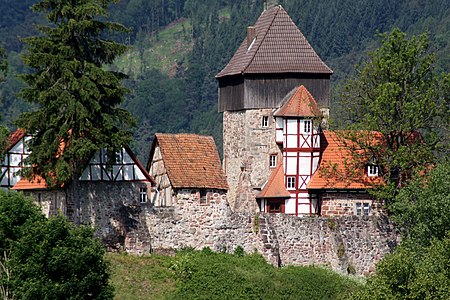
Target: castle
[[268, 195]]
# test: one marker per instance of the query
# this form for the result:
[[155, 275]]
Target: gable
[[15, 154], [189, 160]]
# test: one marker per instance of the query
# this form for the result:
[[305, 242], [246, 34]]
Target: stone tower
[[274, 58]]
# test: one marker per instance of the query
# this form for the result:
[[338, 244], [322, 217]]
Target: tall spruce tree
[[398, 99], [3, 71], [77, 97]]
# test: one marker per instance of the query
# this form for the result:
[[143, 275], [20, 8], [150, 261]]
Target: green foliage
[[421, 208], [78, 99], [411, 272], [397, 94], [225, 276], [72, 260], [48, 258], [3, 71]]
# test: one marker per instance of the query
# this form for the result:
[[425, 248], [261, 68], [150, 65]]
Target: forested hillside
[[177, 47]]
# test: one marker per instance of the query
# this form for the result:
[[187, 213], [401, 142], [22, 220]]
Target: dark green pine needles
[[77, 97]]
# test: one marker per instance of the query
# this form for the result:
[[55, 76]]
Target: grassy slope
[[206, 275], [163, 51]]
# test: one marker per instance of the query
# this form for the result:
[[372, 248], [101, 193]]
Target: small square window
[[372, 170], [143, 195], [290, 182], [273, 161], [362, 208], [265, 121]]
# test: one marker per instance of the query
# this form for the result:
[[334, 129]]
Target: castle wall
[[247, 146], [347, 244], [335, 203]]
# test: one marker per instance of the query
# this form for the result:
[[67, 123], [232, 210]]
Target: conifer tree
[[77, 97], [3, 70]]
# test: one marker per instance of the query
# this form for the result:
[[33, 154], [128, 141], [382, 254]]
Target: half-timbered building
[[275, 95], [186, 167]]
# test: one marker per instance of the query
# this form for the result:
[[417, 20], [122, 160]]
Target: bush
[[50, 258]]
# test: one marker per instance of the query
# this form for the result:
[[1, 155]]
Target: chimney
[[251, 34]]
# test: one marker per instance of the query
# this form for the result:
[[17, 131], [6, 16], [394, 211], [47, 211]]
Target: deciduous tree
[[397, 94], [48, 258]]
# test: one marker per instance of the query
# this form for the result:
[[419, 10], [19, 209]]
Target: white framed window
[[273, 161], [307, 126], [143, 194], [372, 170], [265, 121], [290, 182], [362, 208]]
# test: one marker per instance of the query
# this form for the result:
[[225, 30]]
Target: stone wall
[[247, 147], [347, 244], [336, 203]]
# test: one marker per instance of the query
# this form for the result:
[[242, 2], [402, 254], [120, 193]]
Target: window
[[265, 121], [142, 195], [372, 170], [362, 208], [290, 182], [204, 197], [307, 126], [273, 161]]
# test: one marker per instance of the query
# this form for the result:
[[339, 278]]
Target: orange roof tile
[[13, 138], [334, 155], [274, 187], [37, 183], [279, 47], [191, 161], [299, 103]]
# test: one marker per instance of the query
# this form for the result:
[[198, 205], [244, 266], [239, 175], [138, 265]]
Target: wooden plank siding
[[267, 90]]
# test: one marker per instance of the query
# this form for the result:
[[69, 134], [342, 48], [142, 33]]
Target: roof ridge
[[262, 40]]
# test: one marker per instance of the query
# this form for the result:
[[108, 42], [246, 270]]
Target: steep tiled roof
[[299, 103], [334, 155], [279, 47], [274, 187], [38, 183], [13, 138], [191, 161]]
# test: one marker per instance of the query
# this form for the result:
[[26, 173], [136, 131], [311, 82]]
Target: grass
[[208, 275], [164, 51], [141, 277]]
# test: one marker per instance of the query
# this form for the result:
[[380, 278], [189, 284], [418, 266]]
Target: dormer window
[[372, 170], [265, 121]]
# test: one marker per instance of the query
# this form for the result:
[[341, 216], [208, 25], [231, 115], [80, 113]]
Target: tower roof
[[274, 187], [298, 103], [278, 46]]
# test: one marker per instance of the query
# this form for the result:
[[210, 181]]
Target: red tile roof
[[37, 183], [13, 138], [335, 155], [299, 103], [279, 47], [191, 161], [275, 187]]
